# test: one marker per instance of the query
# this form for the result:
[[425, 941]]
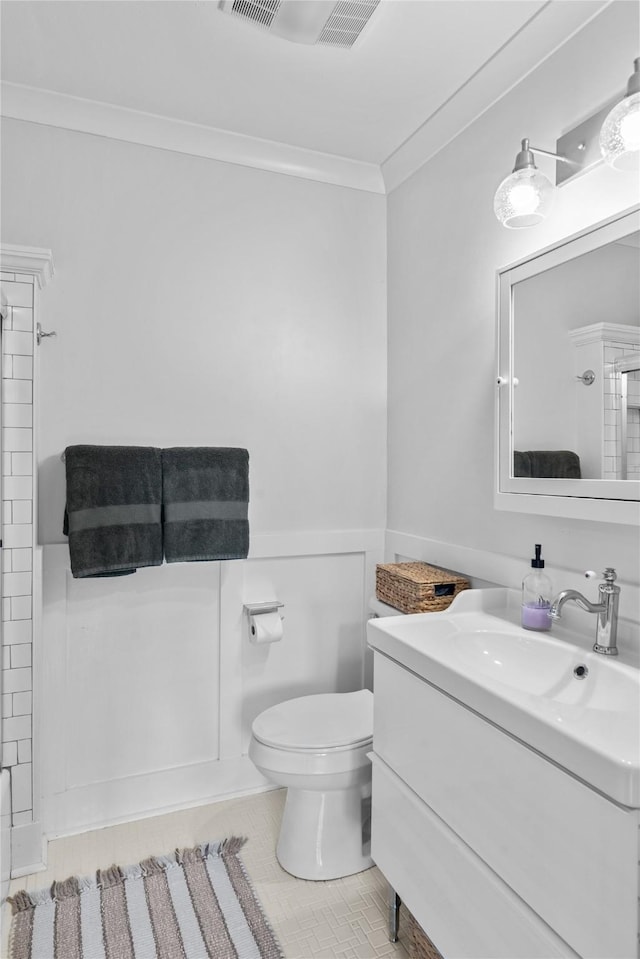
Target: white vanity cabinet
[[498, 852]]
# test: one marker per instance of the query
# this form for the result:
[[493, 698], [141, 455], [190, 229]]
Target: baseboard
[[28, 849], [98, 805]]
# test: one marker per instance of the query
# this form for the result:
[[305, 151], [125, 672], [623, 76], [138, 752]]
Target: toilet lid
[[322, 721]]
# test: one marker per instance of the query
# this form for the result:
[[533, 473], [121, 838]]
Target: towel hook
[[40, 334], [587, 378]]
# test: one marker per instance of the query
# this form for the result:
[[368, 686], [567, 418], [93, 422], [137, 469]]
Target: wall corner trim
[[34, 105], [27, 259]]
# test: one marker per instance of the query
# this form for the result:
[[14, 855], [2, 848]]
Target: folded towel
[[113, 511], [205, 492], [548, 464]]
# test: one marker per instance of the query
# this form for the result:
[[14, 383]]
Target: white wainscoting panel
[[141, 670], [150, 683], [322, 648]]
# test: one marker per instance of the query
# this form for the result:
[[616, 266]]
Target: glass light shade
[[620, 135], [524, 198]]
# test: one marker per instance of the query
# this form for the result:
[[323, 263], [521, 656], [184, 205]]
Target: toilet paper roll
[[265, 628]]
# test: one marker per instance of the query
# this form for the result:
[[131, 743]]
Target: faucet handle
[[609, 574]]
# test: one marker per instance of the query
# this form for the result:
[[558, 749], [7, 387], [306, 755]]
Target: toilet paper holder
[[267, 631], [257, 609]]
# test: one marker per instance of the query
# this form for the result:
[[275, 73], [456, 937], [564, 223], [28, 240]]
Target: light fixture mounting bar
[[554, 156], [581, 145]]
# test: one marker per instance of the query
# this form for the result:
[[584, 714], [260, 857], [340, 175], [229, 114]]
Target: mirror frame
[[614, 501]]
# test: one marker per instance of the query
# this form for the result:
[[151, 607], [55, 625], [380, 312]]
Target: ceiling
[[416, 63]]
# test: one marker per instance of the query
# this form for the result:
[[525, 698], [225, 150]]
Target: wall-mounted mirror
[[568, 408]]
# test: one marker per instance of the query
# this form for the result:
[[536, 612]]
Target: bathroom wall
[[199, 303], [444, 247]]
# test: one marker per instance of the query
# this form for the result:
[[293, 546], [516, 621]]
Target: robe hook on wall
[[588, 377], [41, 334]]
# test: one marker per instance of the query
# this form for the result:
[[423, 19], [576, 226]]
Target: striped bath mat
[[195, 904]]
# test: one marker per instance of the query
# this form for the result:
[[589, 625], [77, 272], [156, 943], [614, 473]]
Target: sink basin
[[577, 707]]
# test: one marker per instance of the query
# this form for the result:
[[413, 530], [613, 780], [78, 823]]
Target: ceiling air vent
[[312, 21], [347, 22]]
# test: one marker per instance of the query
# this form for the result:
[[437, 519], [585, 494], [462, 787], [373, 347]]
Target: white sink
[[579, 708]]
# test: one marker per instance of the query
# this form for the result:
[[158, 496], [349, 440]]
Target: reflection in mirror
[[576, 357]]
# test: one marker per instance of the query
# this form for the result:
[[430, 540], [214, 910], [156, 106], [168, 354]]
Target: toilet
[[317, 747]]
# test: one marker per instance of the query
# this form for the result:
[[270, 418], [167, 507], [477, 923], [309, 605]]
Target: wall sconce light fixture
[[525, 197], [620, 133]]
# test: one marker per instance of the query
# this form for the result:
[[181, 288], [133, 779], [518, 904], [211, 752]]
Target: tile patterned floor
[[340, 919]]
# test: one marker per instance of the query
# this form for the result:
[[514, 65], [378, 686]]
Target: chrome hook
[[40, 334]]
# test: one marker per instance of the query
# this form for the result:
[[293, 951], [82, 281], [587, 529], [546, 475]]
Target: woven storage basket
[[417, 587], [420, 946]]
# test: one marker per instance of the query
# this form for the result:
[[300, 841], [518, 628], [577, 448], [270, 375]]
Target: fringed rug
[[195, 904]]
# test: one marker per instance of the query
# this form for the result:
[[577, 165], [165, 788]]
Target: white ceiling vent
[[306, 21]]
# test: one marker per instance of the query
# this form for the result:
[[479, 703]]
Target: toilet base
[[326, 835]]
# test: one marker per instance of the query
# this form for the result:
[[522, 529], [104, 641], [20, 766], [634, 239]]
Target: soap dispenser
[[536, 595]]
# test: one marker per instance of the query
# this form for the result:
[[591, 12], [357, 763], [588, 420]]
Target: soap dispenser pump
[[537, 593]]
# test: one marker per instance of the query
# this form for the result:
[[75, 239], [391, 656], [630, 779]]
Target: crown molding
[[543, 34], [27, 259], [617, 333], [34, 105]]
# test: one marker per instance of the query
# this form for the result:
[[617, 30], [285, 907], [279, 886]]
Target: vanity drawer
[[566, 850], [465, 909]]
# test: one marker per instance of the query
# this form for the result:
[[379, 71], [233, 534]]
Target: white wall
[[444, 247], [199, 303], [202, 303]]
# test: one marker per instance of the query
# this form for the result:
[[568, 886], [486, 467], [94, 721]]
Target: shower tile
[[9, 754], [22, 463], [17, 391], [18, 294], [16, 584], [22, 318], [20, 655], [22, 706], [17, 536], [17, 414], [21, 792], [17, 342], [18, 727], [16, 680], [20, 607], [17, 632], [23, 367], [22, 511], [18, 487], [20, 440], [20, 560], [22, 818]]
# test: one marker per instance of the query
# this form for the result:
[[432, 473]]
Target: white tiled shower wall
[[17, 553], [611, 452]]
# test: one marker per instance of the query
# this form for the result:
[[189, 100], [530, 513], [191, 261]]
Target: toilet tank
[[378, 609]]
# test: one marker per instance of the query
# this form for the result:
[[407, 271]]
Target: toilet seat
[[325, 722]]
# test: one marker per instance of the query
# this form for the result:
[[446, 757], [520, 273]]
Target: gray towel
[[205, 492], [113, 511], [548, 464]]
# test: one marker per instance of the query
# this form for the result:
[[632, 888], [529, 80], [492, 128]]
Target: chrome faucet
[[606, 610]]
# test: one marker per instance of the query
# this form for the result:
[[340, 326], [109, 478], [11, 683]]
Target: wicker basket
[[420, 946], [417, 587]]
